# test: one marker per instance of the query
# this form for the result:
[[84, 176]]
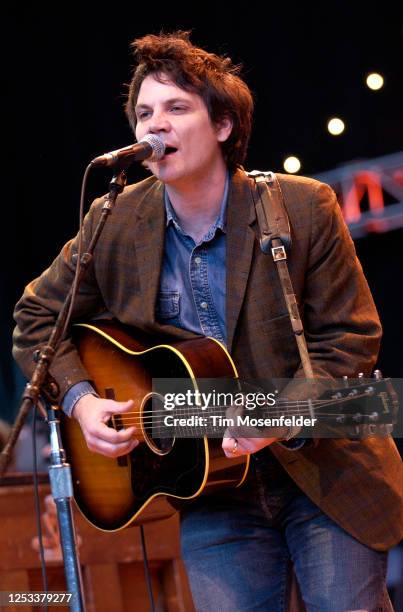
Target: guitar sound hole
[[153, 412]]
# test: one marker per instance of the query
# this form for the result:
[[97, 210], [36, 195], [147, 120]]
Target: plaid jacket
[[358, 483]]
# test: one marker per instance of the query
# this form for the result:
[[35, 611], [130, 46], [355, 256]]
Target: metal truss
[[370, 193]]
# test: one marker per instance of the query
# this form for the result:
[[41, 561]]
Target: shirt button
[[197, 260], [204, 305]]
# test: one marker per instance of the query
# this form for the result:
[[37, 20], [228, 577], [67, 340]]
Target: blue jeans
[[239, 547]]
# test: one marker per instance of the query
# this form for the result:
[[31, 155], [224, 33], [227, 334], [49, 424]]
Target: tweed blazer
[[357, 483]]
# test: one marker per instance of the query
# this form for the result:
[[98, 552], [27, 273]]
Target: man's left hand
[[235, 447], [245, 439]]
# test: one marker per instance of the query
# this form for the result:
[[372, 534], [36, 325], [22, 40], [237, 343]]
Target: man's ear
[[224, 128]]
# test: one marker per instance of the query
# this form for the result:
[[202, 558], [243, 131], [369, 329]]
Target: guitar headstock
[[362, 407]]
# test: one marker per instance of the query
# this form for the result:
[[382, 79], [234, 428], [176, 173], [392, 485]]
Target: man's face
[[181, 119]]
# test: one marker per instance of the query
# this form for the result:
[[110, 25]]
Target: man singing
[[180, 254]]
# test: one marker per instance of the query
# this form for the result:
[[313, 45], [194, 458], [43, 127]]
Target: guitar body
[[160, 475]]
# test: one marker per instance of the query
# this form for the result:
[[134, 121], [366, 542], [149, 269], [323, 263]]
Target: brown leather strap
[[270, 210], [275, 236]]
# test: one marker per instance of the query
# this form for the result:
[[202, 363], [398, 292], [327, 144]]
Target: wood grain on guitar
[[145, 485]]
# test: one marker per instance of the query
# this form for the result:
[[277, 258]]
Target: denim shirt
[[193, 276]]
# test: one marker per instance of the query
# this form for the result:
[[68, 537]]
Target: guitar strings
[[151, 420], [155, 423], [288, 404], [150, 416], [294, 404]]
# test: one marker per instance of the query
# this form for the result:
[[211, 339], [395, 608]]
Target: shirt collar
[[220, 222]]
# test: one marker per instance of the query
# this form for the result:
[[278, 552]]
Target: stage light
[[292, 164], [335, 126], [375, 81]]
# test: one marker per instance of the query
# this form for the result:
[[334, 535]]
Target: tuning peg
[[345, 381], [377, 374], [361, 375]]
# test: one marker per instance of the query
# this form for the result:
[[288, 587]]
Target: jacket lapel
[[149, 236], [240, 243]]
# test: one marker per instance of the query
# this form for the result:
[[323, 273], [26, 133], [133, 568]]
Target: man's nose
[[159, 123]]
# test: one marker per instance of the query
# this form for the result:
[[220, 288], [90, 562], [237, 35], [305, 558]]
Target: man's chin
[[165, 175]]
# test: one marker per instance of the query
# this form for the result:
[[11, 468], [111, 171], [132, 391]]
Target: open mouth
[[170, 150]]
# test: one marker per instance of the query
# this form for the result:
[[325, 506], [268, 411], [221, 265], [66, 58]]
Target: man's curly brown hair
[[212, 77]]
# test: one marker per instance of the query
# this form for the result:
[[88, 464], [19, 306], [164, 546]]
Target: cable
[[79, 249], [66, 325], [37, 507], [147, 569]]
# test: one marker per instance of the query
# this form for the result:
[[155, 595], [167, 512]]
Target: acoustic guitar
[[163, 474]]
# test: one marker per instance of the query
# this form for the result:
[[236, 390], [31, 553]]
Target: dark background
[[64, 74]]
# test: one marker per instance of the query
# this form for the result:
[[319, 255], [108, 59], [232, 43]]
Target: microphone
[[150, 147]]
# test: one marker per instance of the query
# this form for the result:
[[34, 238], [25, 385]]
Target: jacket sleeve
[[37, 310], [341, 324]]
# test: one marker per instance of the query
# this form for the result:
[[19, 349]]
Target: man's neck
[[197, 205]]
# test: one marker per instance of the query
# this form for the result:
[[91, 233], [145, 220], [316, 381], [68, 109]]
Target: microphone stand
[[59, 471]]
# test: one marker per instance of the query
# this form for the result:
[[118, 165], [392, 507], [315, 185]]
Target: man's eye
[[143, 114], [178, 108]]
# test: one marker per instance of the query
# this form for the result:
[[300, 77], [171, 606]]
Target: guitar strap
[[275, 237]]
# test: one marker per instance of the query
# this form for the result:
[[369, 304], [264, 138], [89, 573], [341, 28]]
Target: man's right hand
[[93, 413]]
